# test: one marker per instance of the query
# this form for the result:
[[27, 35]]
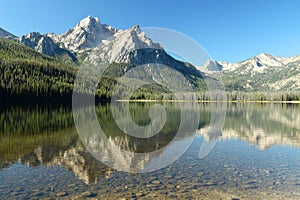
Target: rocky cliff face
[[40, 43], [45, 45], [88, 33], [121, 45]]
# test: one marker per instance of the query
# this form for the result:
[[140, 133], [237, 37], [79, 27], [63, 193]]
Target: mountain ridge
[[6, 34], [45, 45], [263, 72]]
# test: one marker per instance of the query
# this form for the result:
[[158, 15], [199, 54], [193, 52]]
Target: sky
[[229, 30]]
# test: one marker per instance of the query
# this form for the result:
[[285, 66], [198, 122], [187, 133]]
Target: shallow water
[[257, 156]]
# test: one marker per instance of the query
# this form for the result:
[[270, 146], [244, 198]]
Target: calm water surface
[[257, 156]]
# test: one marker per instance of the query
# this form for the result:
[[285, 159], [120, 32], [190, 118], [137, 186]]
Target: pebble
[[156, 182], [276, 183], [61, 194], [88, 194], [140, 194], [251, 182]]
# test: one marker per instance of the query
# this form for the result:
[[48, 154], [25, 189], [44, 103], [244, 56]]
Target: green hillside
[[25, 72]]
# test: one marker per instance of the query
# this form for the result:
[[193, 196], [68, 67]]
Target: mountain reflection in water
[[45, 134], [262, 125]]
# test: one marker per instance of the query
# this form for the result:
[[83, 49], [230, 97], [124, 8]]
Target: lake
[[257, 155]]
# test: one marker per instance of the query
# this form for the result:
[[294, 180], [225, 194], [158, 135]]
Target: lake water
[[257, 155]]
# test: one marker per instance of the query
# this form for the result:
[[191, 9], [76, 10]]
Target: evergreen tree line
[[250, 96], [25, 72]]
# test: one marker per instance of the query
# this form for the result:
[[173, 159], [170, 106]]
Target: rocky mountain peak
[[265, 59], [135, 28], [39, 42], [264, 55], [33, 36], [134, 38], [88, 22], [88, 33]]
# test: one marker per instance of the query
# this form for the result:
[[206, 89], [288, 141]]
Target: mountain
[[134, 47], [95, 42], [88, 33], [121, 45], [45, 45], [5, 34], [91, 42], [263, 72]]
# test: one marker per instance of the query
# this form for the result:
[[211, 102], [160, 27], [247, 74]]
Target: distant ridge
[[263, 72]]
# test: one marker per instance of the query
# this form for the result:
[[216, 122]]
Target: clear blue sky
[[230, 30]]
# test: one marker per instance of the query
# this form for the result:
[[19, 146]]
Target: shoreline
[[205, 101], [68, 100]]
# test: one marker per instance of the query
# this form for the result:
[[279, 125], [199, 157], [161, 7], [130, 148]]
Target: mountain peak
[[88, 33], [264, 55], [267, 59], [89, 21], [135, 27]]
